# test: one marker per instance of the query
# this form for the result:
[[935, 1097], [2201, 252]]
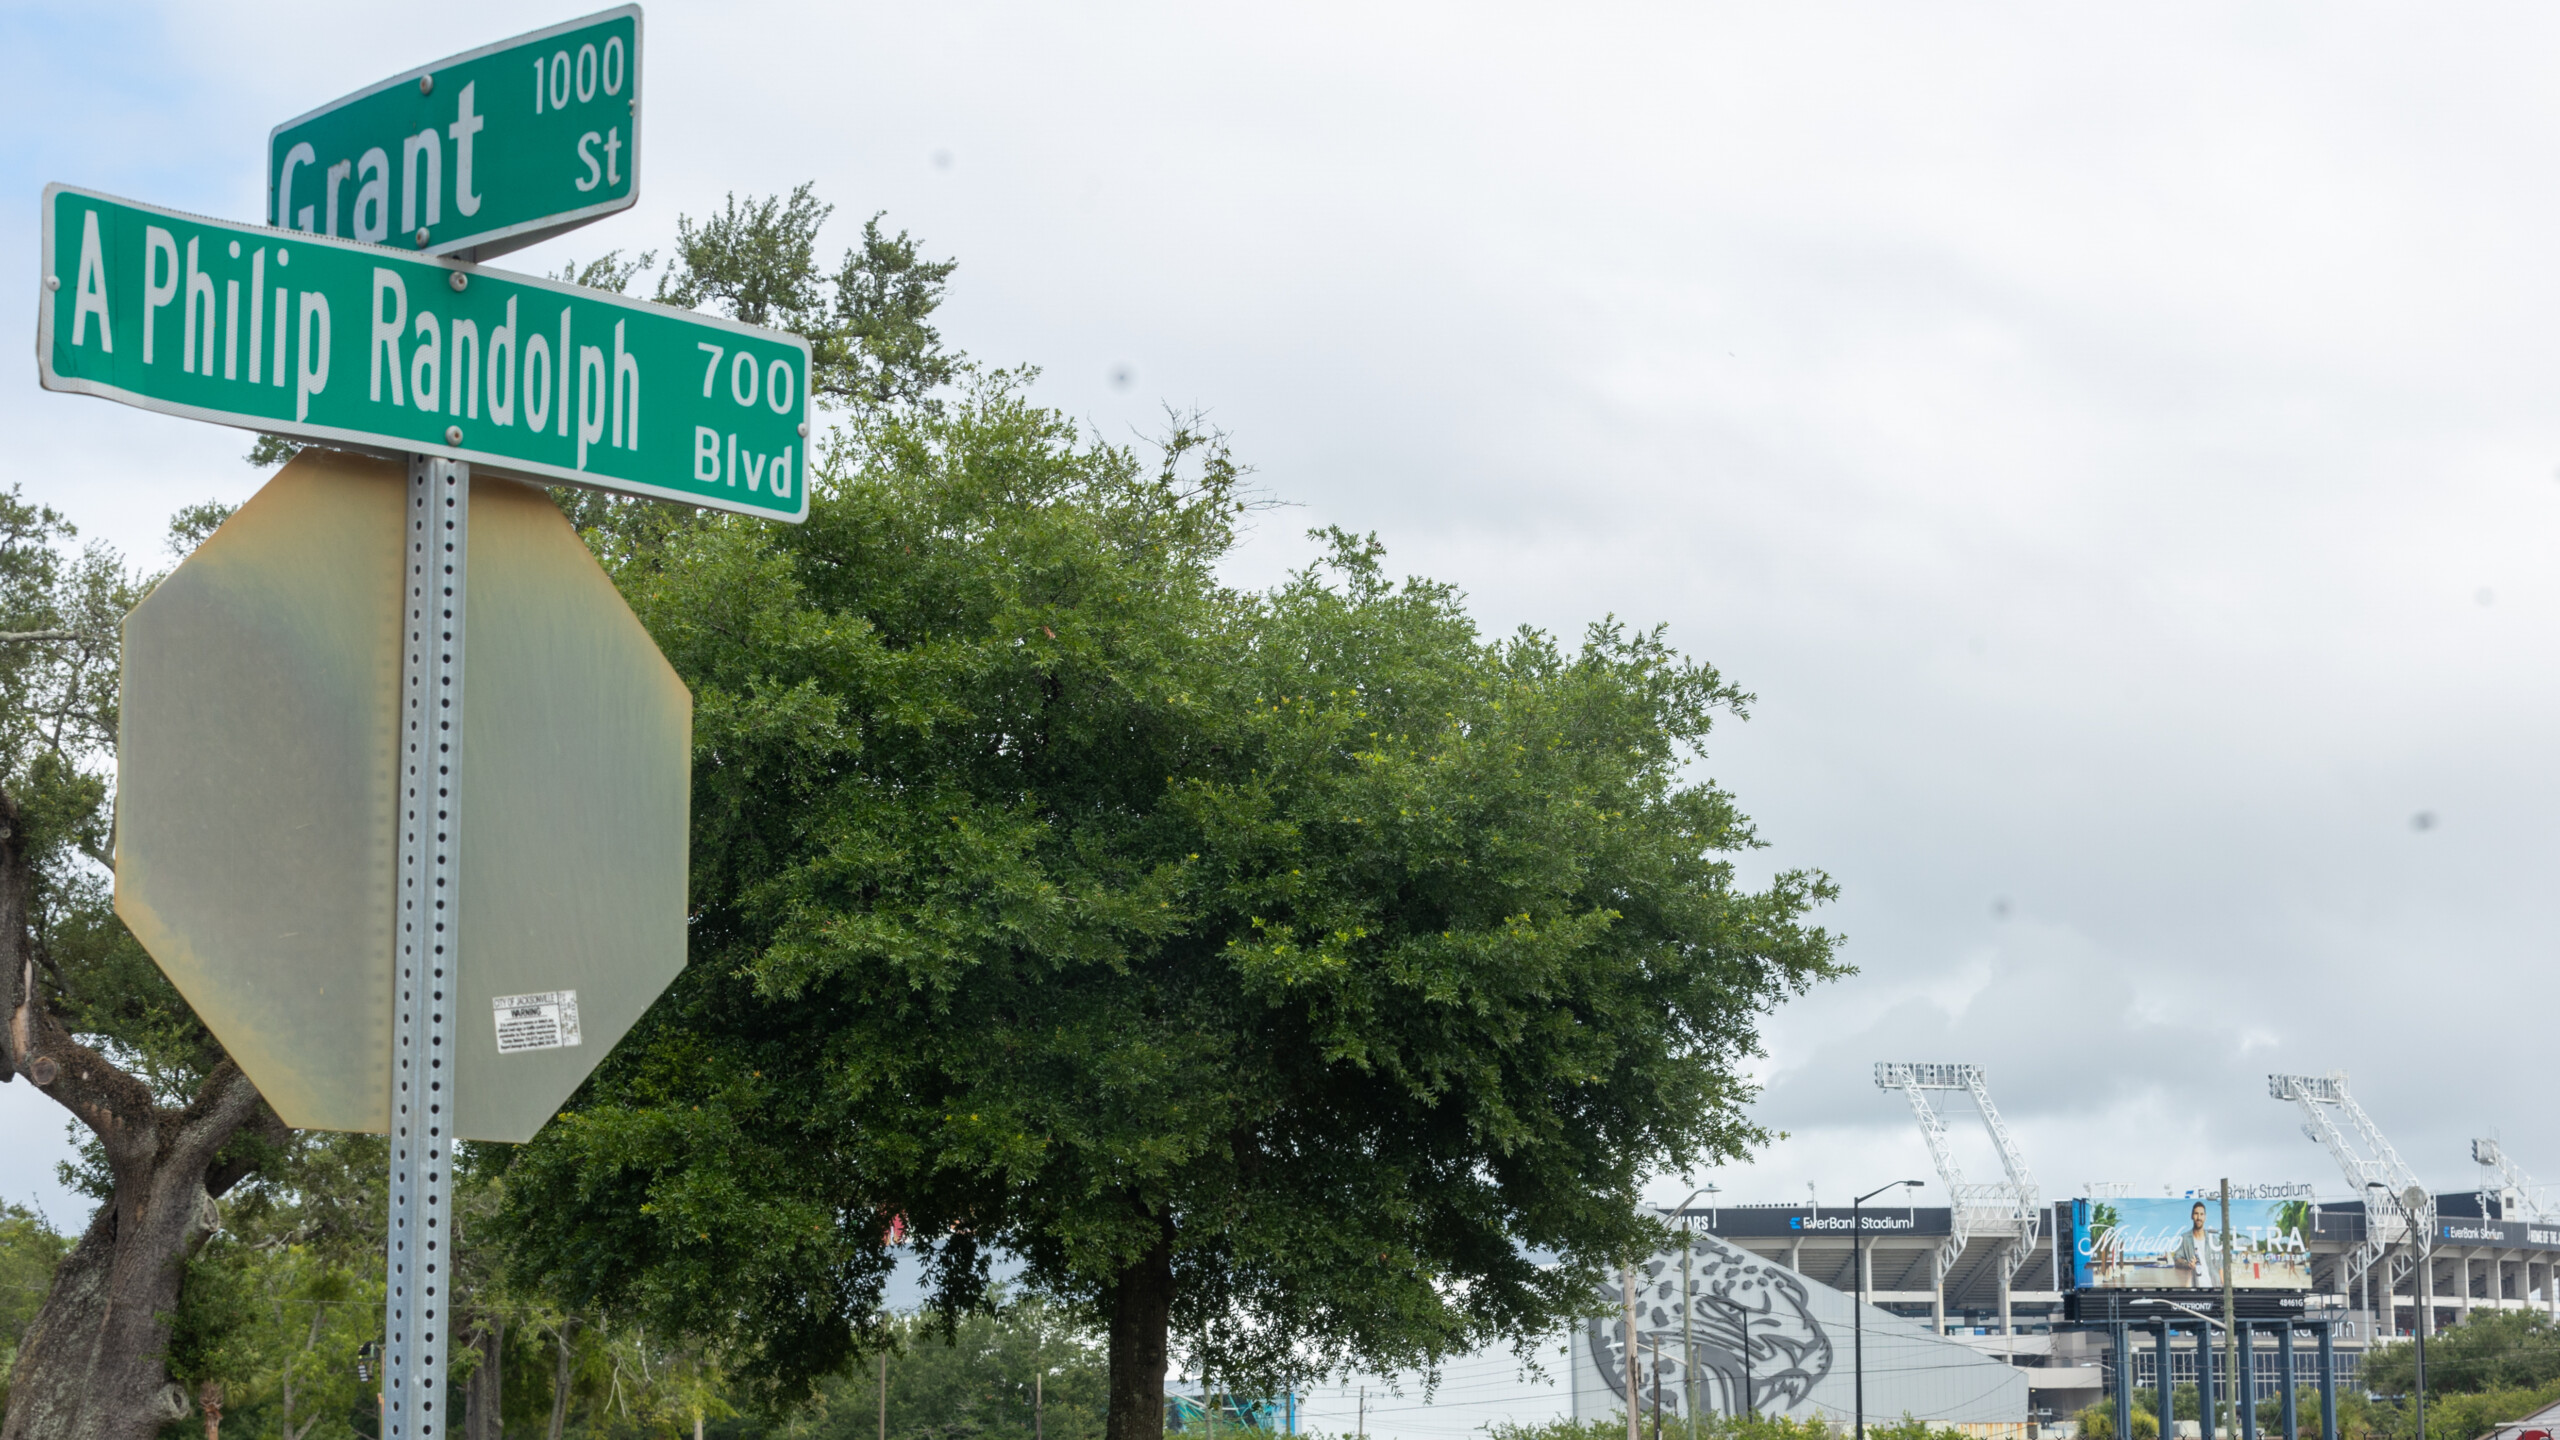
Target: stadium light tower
[[2374, 1171], [2010, 1208], [2511, 1178]]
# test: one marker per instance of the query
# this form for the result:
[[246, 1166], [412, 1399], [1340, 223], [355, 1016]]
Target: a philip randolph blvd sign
[[363, 347], [475, 155]]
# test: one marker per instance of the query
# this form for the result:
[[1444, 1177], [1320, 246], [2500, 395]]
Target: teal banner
[[363, 347]]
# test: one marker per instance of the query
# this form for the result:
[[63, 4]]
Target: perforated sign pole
[[419, 1289]]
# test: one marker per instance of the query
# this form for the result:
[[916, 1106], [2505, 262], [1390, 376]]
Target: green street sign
[[365, 348], [472, 156]]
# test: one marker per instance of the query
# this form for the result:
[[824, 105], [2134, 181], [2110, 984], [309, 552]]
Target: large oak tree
[[1295, 979], [172, 1122]]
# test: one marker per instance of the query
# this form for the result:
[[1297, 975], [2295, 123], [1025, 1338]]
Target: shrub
[[2098, 1422]]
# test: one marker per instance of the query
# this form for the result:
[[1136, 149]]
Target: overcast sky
[[2120, 450]]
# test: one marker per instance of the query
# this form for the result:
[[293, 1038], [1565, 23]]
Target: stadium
[[2007, 1311]]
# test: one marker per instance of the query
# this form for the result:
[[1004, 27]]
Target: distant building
[[1797, 1359], [2481, 1262]]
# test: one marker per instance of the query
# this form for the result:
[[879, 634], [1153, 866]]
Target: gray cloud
[[2089, 435]]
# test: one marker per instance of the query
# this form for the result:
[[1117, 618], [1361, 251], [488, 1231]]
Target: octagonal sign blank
[[256, 766]]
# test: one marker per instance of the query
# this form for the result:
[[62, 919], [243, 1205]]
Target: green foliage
[[194, 524], [2473, 1413], [271, 450], [2293, 1217], [871, 340], [757, 262], [881, 350], [277, 1301], [608, 271], [2493, 1350], [2381, 1415], [2356, 1415], [30, 1249], [1911, 1428], [61, 614], [2098, 1422], [2306, 1413], [2461, 1416], [867, 323], [972, 1380], [2183, 1401], [1811, 1427], [2500, 1365], [1565, 1427], [1060, 900], [1725, 1427]]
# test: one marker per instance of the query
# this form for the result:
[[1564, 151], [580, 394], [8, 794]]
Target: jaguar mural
[[1734, 1295]]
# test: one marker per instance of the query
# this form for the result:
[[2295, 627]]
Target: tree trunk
[[93, 1363], [484, 1395], [209, 1400], [1141, 1316], [561, 1371]]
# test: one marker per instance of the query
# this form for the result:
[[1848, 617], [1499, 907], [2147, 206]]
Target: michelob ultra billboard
[[2139, 1244]]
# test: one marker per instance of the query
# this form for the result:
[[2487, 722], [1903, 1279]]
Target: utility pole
[[2416, 1202], [1036, 1378], [2230, 1317], [1858, 1308], [884, 1395], [1688, 1348], [1688, 1345], [1632, 1432], [1657, 1390], [1364, 1413]]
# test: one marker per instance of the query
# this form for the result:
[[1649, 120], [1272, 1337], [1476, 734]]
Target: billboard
[[2137, 1244]]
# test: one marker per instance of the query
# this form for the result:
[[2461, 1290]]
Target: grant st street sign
[[363, 347], [472, 156]]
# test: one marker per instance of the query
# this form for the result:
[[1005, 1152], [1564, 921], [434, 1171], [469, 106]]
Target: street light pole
[[1858, 1274], [1688, 1348], [2231, 1331], [2422, 1294]]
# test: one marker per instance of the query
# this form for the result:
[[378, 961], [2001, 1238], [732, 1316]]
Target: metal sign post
[[290, 812], [422, 1098]]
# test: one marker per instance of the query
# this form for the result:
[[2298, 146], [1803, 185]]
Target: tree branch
[[110, 1102], [225, 1104]]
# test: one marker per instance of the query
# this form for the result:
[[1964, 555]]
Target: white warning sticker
[[547, 1021]]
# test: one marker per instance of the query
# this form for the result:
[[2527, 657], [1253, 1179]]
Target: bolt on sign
[[477, 154], [360, 346]]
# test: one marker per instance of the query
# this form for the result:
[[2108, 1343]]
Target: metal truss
[[2011, 1209], [2368, 1163], [2512, 1182]]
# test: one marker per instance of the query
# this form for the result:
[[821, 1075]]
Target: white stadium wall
[[1801, 1340]]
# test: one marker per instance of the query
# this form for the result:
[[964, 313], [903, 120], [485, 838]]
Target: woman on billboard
[[2195, 1256]]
